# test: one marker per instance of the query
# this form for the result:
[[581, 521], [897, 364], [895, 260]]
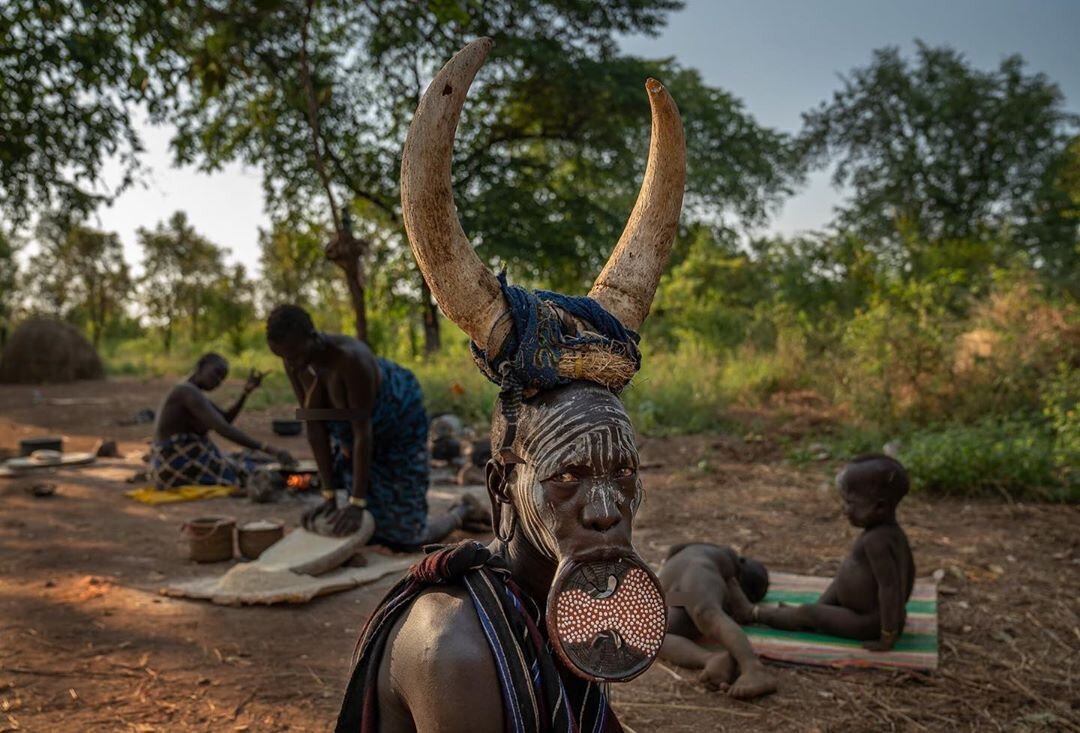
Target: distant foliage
[[1061, 406], [940, 306], [71, 76], [293, 265], [1012, 458], [78, 275], [181, 270], [9, 277], [937, 152]]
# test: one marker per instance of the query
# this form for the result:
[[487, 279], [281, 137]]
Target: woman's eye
[[624, 472]]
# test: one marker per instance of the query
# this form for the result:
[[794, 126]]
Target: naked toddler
[[710, 589], [867, 598]]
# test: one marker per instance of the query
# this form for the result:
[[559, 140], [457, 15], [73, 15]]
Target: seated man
[[374, 444], [868, 597], [707, 586], [182, 453], [524, 633]]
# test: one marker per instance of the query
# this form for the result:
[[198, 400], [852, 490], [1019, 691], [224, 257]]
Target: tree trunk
[[348, 253], [195, 305], [432, 337], [356, 293], [98, 318]]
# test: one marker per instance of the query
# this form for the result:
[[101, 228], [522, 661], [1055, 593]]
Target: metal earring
[[505, 540], [501, 498]]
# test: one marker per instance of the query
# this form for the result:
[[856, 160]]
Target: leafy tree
[[9, 277], [181, 269], [79, 274], [232, 306], [1052, 234], [71, 75], [939, 155], [292, 262], [550, 154]]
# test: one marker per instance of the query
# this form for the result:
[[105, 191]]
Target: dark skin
[[702, 583], [334, 371], [867, 598], [187, 409], [438, 674]]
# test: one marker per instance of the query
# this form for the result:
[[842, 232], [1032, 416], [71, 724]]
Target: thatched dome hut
[[43, 350]]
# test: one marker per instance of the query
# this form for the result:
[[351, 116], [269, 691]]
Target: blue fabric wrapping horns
[[529, 357]]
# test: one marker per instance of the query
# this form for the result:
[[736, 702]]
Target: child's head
[[753, 579], [870, 487]]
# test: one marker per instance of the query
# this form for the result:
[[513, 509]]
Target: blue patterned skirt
[[397, 492], [189, 459]]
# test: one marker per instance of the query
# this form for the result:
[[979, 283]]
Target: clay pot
[[254, 538], [210, 539]]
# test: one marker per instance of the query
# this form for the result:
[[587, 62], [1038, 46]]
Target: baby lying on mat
[[867, 598], [710, 589]]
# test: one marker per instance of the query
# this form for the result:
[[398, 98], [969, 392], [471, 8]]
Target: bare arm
[[890, 599], [211, 418], [231, 414], [742, 610]]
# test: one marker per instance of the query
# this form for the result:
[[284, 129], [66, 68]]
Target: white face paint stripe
[[558, 437]]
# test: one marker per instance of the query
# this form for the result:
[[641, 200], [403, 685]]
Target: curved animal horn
[[464, 288], [628, 282]]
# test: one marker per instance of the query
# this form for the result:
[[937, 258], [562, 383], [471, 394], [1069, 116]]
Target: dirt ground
[[88, 644]]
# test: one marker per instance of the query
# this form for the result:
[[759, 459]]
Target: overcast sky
[[781, 57]]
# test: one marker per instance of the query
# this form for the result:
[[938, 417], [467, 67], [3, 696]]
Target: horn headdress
[[531, 341], [600, 341]]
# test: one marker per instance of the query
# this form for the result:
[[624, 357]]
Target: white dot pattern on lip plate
[[635, 611]]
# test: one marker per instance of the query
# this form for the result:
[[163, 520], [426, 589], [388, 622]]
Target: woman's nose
[[600, 516]]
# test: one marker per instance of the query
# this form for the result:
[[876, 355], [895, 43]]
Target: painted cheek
[[633, 491], [538, 514]]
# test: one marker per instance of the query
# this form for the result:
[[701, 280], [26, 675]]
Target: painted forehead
[[577, 433]]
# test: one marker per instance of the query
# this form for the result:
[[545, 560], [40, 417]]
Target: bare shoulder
[[185, 392], [353, 349], [439, 653], [443, 611], [722, 557], [883, 538]]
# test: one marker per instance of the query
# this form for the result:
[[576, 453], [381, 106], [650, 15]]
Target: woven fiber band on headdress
[[542, 352]]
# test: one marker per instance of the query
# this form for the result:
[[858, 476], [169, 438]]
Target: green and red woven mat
[[917, 647]]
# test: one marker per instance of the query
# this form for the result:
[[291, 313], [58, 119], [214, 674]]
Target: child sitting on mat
[[867, 598], [709, 590]]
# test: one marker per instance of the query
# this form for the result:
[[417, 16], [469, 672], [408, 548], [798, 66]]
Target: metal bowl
[[287, 427], [50, 442]]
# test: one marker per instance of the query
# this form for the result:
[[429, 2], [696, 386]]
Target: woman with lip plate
[[522, 634]]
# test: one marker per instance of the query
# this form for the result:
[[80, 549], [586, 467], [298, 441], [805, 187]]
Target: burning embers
[[298, 482]]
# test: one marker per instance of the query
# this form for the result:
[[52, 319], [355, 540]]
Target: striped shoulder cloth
[[538, 694]]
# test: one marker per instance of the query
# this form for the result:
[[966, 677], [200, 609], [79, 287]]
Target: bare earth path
[[87, 644]]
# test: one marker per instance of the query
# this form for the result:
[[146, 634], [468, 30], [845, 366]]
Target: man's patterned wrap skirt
[[397, 493]]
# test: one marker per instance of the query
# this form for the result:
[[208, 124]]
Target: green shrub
[[1061, 405], [1013, 458], [678, 392]]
